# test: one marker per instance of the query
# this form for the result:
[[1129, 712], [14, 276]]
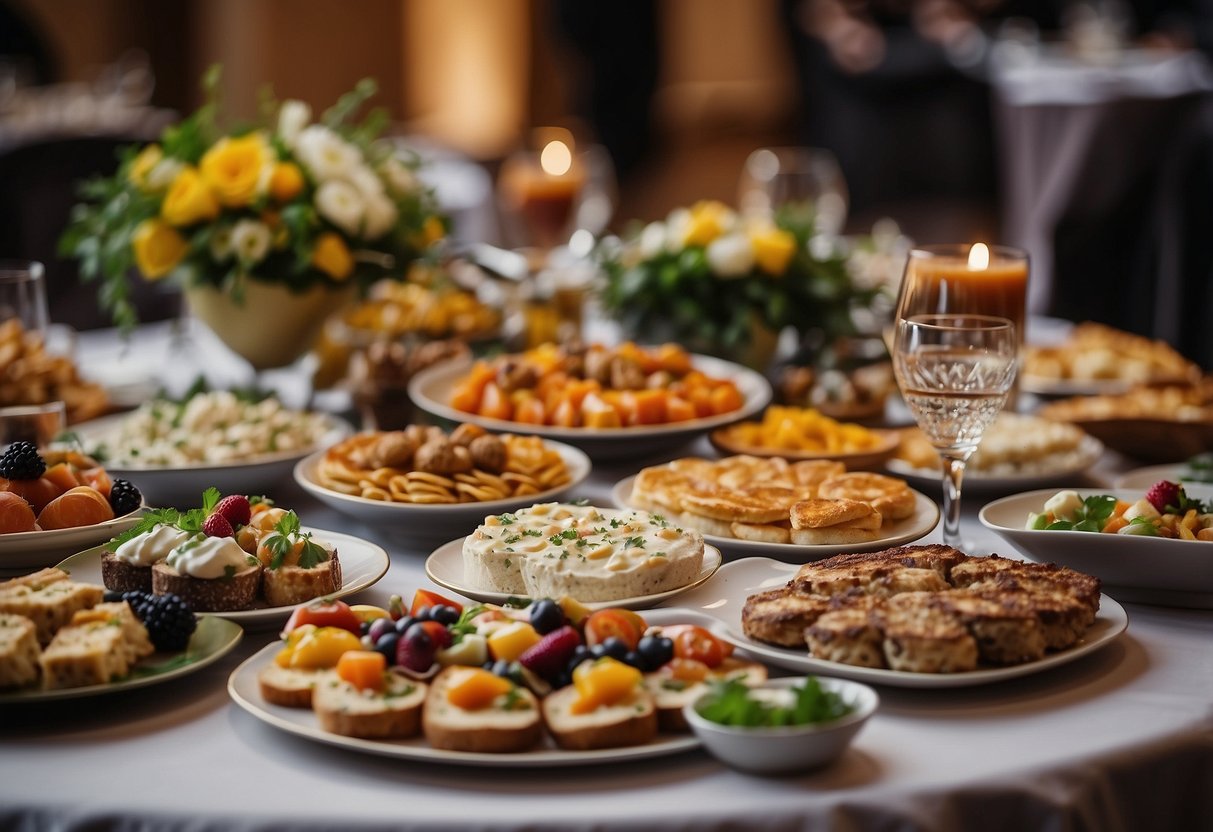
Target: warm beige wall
[[86, 34]]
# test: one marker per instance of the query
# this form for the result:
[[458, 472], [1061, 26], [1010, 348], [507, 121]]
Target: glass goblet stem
[[953, 478]]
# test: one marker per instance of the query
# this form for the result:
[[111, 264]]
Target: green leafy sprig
[[282, 543], [1091, 516], [731, 702]]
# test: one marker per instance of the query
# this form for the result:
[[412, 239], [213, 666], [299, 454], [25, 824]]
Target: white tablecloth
[[1120, 740]]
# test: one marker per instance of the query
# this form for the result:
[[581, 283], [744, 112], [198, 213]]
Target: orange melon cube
[[477, 689], [362, 668]]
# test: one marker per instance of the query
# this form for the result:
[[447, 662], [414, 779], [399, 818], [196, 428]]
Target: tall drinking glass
[[26, 415], [803, 178], [954, 371]]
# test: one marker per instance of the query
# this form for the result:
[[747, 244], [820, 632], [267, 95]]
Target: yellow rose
[[189, 199], [235, 168], [142, 165], [332, 256], [709, 219], [286, 181], [773, 249], [432, 230], [158, 248]]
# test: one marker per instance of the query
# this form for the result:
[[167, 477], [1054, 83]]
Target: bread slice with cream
[[508, 722], [391, 713], [288, 686], [630, 721]]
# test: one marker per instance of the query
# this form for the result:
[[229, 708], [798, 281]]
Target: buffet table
[[1121, 739]]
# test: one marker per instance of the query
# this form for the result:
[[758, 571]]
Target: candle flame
[[556, 158], [979, 257]]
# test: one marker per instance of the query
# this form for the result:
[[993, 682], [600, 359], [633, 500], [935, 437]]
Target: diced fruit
[[472, 650], [236, 508], [62, 475], [697, 643], [415, 650], [477, 690], [325, 614], [686, 670], [655, 651], [423, 598], [546, 616], [80, 506], [317, 647], [217, 526], [362, 668], [1162, 494], [369, 612], [512, 640], [602, 682], [604, 624], [439, 634], [575, 611], [16, 515], [550, 655], [444, 614], [379, 628]]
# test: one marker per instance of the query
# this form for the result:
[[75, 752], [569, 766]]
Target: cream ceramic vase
[[272, 326]]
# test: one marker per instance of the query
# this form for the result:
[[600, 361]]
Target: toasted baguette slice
[[670, 697], [630, 722], [288, 686], [121, 576], [833, 536], [209, 595], [19, 651], [495, 729], [290, 585], [394, 712]]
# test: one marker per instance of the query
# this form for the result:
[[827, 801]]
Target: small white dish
[[917, 525], [431, 390], [183, 485], [444, 567], [787, 749], [437, 521], [362, 564], [1133, 567]]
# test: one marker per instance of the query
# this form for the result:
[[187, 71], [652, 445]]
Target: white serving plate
[[437, 521], [242, 686], [917, 525], [1142, 478], [212, 640], [22, 552], [1066, 387], [183, 485], [444, 567], [431, 389], [362, 564], [1090, 450], [1150, 569], [722, 599]]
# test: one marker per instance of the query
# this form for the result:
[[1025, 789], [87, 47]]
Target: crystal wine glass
[[954, 371]]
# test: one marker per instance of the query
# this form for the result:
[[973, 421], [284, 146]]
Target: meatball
[[440, 456], [489, 454]]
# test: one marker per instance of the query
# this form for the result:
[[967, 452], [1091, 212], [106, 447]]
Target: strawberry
[[217, 526], [1162, 494], [236, 509], [549, 656]]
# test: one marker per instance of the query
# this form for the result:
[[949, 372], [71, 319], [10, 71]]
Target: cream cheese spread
[[208, 557], [151, 547], [551, 549]]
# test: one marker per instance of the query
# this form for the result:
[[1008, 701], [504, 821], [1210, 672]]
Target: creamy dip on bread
[[552, 549]]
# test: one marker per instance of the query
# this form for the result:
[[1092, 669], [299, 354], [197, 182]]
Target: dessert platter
[[795, 433], [173, 450], [603, 557], [446, 482], [61, 638], [612, 403], [892, 618], [1118, 536], [1017, 452], [767, 506]]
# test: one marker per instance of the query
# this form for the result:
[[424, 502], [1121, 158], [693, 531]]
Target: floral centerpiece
[[311, 208], [728, 286]]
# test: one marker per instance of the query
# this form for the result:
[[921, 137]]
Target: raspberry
[[236, 509], [1162, 494], [217, 526], [21, 461], [124, 497], [168, 619]]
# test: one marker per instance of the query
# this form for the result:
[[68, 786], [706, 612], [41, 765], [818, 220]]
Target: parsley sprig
[[729, 703], [282, 543], [1091, 516]]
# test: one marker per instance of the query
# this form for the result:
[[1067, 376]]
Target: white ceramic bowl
[[791, 748]]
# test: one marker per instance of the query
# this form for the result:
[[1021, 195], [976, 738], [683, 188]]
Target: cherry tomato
[[698, 644], [605, 624], [325, 614], [438, 634], [423, 598]]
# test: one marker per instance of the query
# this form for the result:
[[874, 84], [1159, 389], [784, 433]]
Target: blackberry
[[21, 461], [168, 620], [124, 497]]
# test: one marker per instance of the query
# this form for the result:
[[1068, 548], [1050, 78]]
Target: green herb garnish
[[731, 702], [1091, 516]]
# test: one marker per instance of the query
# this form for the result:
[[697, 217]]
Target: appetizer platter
[[795, 433], [61, 638], [768, 589], [1095, 359], [1135, 564], [552, 684], [800, 510], [173, 450], [449, 482], [613, 403]]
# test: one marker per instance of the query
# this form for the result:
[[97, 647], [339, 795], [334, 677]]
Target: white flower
[[221, 244], [340, 203], [163, 173], [325, 154], [400, 178], [823, 246], [677, 224], [380, 216], [730, 255], [293, 116], [652, 240], [365, 180], [251, 240]]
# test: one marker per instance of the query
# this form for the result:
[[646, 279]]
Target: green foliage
[[731, 702]]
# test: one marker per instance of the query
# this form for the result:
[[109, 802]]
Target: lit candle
[[543, 190], [980, 280]]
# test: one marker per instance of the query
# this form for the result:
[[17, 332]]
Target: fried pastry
[[848, 636], [890, 496], [780, 616], [921, 638]]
